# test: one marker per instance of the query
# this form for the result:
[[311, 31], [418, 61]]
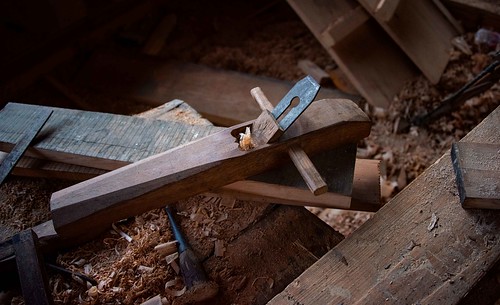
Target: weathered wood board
[[421, 247], [477, 169], [372, 62], [420, 29], [95, 139], [223, 97]]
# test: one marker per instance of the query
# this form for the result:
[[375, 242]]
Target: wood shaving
[[246, 142], [166, 248]]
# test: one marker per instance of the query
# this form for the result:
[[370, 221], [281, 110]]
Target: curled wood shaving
[[122, 234], [172, 292], [172, 257], [167, 248], [433, 224], [246, 142]]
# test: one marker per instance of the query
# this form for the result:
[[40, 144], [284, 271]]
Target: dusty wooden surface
[[95, 139], [477, 170], [422, 246]]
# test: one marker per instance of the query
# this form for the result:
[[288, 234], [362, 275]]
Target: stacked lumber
[[377, 43]]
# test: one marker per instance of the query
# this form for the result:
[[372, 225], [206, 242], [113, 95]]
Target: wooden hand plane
[[87, 208]]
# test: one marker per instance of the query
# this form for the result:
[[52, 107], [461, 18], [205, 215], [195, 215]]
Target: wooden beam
[[422, 246], [99, 140], [220, 96], [420, 29], [198, 167], [378, 72], [344, 27], [477, 170]]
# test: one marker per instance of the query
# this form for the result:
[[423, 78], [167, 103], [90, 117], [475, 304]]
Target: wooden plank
[[157, 39], [377, 72], [420, 29], [95, 139], [404, 254], [345, 26], [31, 269], [477, 170], [199, 167], [223, 97], [310, 68]]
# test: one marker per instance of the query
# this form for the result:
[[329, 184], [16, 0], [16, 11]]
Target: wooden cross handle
[[259, 96], [307, 170], [300, 159]]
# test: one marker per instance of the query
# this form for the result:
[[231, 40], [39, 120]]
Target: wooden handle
[[261, 99], [307, 170]]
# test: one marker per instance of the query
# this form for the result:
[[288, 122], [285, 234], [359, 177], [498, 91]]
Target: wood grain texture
[[399, 257], [197, 167], [421, 30], [223, 97], [377, 72], [94, 139], [477, 170]]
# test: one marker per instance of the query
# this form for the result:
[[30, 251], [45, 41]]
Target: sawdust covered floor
[[265, 42]]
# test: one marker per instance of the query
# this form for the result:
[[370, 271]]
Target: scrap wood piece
[[35, 125], [394, 255], [477, 170], [345, 29], [310, 68], [420, 29], [124, 192], [31, 269]]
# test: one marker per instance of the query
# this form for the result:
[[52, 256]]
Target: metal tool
[[306, 90], [32, 131], [266, 127], [199, 287], [480, 83]]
